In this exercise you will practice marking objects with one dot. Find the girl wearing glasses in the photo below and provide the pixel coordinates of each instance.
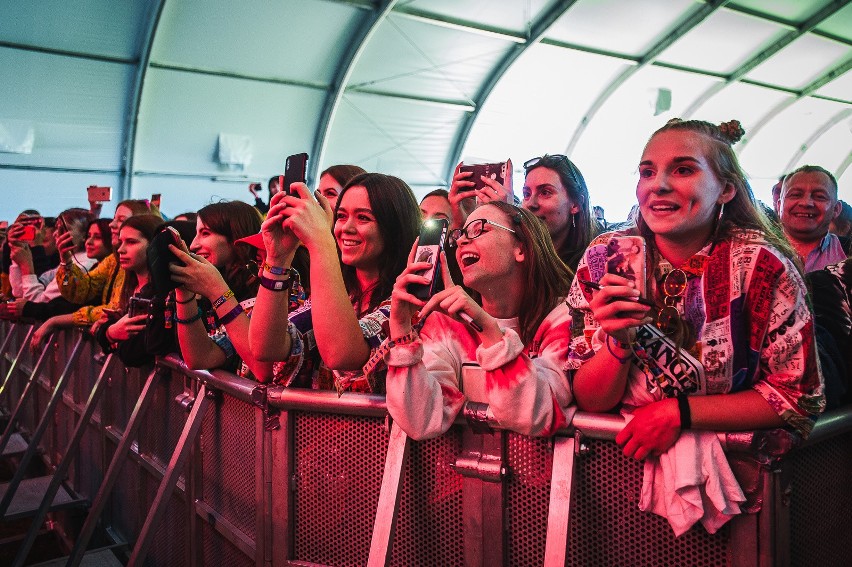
(357, 250)
(508, 352)
(556, 193)
(729, 344)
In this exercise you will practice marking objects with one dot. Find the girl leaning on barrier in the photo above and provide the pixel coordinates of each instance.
(729, 344)
(218, 283)
(124, 331)
(509, 352)
(356, 252)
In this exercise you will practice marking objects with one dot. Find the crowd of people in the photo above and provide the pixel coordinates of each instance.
(734, 315)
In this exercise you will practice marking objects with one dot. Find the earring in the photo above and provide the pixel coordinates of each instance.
(721, 212)
(574, 220)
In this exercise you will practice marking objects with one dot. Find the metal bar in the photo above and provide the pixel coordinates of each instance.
(11, 329)
(538, 29)
(559, 512)
(24, 344)
(384, 527)
(460, 105)
(62, 470)
(239, 388)
(344, 71)
(263, 488)
(227, 529)
(105, 171)
(238, 76)
(821, 131)
(367, 405)
(13, 418)
(136, 98)
(115, 465)
(45, 420)
(283, 500)
(694, 17)
(67, 53)
(468, 26)
(173, 471)
(761, 56)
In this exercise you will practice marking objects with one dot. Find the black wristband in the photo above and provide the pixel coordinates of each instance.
(684, 411)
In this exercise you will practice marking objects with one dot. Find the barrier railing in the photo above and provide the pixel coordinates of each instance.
(205, 468)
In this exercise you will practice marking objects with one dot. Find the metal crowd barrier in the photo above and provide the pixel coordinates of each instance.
(179, 467)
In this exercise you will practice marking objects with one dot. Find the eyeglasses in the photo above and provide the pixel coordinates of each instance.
(674, 286)
(474, 229)
(551, 161)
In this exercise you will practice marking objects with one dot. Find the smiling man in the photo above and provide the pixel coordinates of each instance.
(808, 205)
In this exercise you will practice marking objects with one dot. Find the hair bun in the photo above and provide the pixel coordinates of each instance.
(732, 131)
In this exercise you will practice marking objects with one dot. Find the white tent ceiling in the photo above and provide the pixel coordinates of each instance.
(135, 94)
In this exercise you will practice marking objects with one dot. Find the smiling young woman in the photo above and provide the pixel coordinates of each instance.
(741, 354)
(508, 352)
(357, 250)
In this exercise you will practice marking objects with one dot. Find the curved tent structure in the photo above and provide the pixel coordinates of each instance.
(195, 99)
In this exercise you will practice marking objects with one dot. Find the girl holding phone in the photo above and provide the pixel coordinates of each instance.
(356, 251)
(125, 335)
(509, 351)
(729, 343)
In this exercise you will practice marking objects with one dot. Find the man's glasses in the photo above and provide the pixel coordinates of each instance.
(474, 229)
(674, 286)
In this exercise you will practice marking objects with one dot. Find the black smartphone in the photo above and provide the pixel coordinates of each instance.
(495, 171)
(139, 306)
(295, 171)
(432, 236)
(159, 258)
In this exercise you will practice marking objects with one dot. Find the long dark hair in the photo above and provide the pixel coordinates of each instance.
(742, 213)
(147, 225)
(583, 227)
(104, 231)
(547, 278)
(235, 220)
(398, 218)
(343, 172)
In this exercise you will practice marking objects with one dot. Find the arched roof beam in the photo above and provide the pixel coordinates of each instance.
(787, 102)
(783, 22)
(843, 166)
(538, 29)
(136, 98)
(693, 18)
(67, 53)
(345, 67)
(807, 26)
(820, 132)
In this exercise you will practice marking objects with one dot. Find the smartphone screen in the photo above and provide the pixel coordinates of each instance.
(155, 199)
(625, 256)
(99, 194)
(432, 235)
(29, 233)
(295, 170)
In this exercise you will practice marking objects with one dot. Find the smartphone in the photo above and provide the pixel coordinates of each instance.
(159, 258)
(28, 234)
(495, 171)
(139, 306)
(99, 194)
(625, 256)
(295, 171)
(432, 236)
(256, 187)
(155, 199)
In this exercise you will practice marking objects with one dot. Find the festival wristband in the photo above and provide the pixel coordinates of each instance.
(275, 285)
(276, 270)
(223, 299)
(192, 298)
(231, 315)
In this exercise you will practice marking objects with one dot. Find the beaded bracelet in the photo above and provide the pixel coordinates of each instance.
(223, 299)
(276, 270)
(192, 319)
(684, 411)
(231, 315)
(620, 344)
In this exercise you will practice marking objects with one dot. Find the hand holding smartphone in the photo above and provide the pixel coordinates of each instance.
(494, 171)
(99, 194)
(159, 258)
(432, 236)
(295, 171)
(621, 255)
